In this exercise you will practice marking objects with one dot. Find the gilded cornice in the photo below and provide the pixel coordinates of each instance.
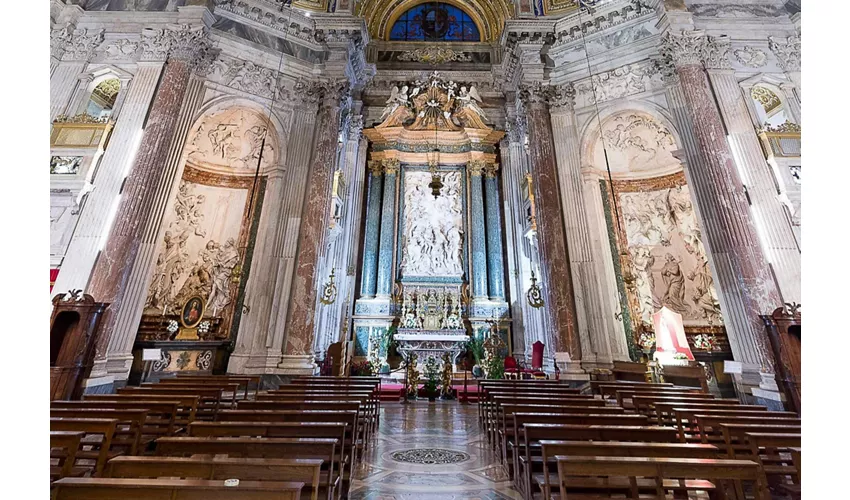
(489, 15)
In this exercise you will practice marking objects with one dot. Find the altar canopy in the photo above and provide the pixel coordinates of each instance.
(670, 336)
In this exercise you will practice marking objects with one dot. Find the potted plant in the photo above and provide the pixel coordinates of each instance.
(432, 378)
(475, 346)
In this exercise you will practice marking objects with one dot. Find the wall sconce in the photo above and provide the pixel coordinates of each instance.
(436, 183)
(329, 290)
(534, 294)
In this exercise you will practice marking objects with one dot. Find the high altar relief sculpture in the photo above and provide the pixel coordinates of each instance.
(636, 142)
(433, 228)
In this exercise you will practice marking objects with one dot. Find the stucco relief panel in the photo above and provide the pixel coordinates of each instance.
(432, 242)
(229, 141)
(637, 144)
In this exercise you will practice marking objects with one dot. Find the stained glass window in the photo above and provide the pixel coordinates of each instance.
(435, 21)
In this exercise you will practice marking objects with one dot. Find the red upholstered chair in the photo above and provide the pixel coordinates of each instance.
(537, 360)
(511, 366)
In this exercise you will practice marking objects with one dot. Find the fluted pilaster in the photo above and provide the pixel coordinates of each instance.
(387, 234)
(369, 278)
(495, 263)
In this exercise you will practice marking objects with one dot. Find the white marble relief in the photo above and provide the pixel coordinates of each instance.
(230, 140)
(667, 255)
(433, 228)
(637, 143)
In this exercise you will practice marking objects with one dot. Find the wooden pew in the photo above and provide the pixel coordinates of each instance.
(595, 385)
(63, 448)
(710, 426)
(533, 433)
(666, 416)
(735, 435)
(551, 448)
(97, 436)
(230, 390)
(698, 474)
(172, 489)
(610, 391)
(485, 388)
(128, 432)
(251, 382)
(623, 395)
(774, 454)
(685, 418)
(187, 404)
(646, 404)
(307, 471)
(494, 412)
(160, 419)
(209, 403)
(248, 447)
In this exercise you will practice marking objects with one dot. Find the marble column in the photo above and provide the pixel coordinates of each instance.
(478, 236)
(259, 343)
(120, 348)
(594, 320)
(301, 319)
(369, 278)
(114, 165)
(746, 287)
(493, 216)
(780, 244)
(387, 234)
(110, 277)
(556, 279)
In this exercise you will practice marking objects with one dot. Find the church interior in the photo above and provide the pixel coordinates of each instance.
(414, 249)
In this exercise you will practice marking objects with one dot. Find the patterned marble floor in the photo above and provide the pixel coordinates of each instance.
(429, 451)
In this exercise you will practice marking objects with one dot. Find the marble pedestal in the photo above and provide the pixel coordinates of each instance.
(570, 369)
(297, 364)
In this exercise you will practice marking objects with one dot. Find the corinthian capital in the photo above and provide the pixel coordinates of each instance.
(181, 42)
(716, 52)
(355, 127)
(562, 96)
(787, 52)
(534, 95)
(69, 44)
(686, 48)
(335, 91)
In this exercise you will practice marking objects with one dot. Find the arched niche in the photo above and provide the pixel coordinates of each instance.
(101, 92)
(206, 229)
(652, 216)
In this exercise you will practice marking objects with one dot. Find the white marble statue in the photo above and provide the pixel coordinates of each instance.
(470, 99)
(397, 98)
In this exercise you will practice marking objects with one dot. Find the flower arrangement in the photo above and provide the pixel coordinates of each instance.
(432, 377)
(646, 340)
(362, 369)
(172, 326)
(680, 355)
(204, 327)
(705, 342)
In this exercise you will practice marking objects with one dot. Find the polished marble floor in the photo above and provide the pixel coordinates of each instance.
(429, 451)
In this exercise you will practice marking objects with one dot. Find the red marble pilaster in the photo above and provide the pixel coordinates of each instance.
(300, 322)
(554, 263)
(746, 282)
(109, 279)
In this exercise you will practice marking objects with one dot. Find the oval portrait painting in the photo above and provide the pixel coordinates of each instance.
(192, 312)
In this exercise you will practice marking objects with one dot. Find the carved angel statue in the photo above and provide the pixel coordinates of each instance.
(470, 113)
(396, 110)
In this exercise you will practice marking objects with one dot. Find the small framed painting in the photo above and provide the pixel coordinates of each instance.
(192, 312)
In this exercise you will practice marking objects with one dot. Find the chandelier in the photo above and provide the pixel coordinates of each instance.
(436, 183)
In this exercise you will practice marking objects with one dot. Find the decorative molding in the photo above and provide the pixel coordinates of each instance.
(736, 10)
(355, 127)
(750, 57)
(534, 95)
(716, 52)
(291, 22)
(576, 27)
(619, 82)
(182, 42)
(562, 96)
(787, 52)
(434, 55)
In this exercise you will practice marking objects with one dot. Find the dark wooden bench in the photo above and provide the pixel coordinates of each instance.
(96, 443)
(307, 471)
(665, 415)
(646, 404)
(209, 403)
(735, 439)
(711, 431)
(669, 474)
(63, 449)
(128, 432)
(643, 397)
(248, 447)
(187, 404)
(548, 477)
(774, 452)
(685, 418)
(161, 415)
(229, 395)
(251, 383)
(172, 489)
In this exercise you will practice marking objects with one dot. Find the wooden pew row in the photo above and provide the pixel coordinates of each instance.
(172, 489)
(623, 395)
(710, 427)
(368, 411)
(187, 404)
(161, 415)
(485, 387)
(492, 409)
(704, 474)
(210, 401)
(128, 432)
(775, 454)
(665, 415)
(370, 395)
(242, 447)
(529, 454)
(735, 435)
(307, 471)
(63, 448)
(231, 391)
(96, 443)
(610, 391)
(685, 419)
(513, 439)
(253, 382)
(645, 404)
(548, 477)
(595, 385)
